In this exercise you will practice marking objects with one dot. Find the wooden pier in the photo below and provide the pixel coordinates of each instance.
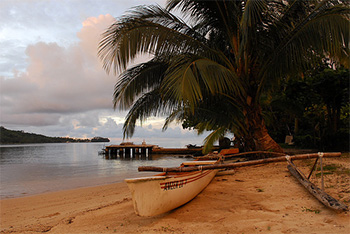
(176, 150)
(129, 148)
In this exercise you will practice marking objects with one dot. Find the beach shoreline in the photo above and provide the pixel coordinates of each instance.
(256, 199)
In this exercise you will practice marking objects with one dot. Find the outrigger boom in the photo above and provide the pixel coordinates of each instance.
(237, 164)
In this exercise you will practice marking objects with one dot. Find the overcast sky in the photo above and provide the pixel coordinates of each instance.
(51, 80)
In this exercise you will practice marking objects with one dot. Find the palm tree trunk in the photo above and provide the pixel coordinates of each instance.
(258, 137)
(264, 141)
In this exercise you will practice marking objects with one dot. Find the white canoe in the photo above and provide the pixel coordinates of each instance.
(161, 193)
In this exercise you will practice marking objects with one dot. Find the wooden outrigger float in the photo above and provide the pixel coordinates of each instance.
(320, 194)
(176, 186)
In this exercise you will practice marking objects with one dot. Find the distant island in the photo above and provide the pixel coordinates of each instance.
(20, 137)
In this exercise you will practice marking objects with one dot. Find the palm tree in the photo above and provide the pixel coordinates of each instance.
(221, 52)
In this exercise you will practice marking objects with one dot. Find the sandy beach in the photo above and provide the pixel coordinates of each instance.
(256, 199)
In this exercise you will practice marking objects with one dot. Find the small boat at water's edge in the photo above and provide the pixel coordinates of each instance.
(161, 193)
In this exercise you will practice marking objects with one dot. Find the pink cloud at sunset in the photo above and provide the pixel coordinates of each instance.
(64, 91)
(59, 79)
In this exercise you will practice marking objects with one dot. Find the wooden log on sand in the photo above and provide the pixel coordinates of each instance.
(235, 165)
(321, 195)
(236, 155)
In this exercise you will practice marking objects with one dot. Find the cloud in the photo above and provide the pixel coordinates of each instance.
(57, 86)
(59, 80)
(25, 22)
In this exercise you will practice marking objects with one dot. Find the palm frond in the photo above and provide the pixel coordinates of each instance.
(149, 104)
(137, 80)
(251, 17)
(212, 138)
(189, 77)
(323, 31)
(176, 115)
(147, 30)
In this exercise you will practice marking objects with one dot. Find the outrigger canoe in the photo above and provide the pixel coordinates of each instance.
(178, 185)
(166, 191)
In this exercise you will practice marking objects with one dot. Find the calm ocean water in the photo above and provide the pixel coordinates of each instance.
(38, 168)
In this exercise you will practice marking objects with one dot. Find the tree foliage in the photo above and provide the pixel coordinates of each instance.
(314, 109)
(219, 60)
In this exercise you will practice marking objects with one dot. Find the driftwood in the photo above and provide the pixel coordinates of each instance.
(321, 195)
(217, 156)
(234, 165)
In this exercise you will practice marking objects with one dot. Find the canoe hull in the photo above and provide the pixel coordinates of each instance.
(159, 194)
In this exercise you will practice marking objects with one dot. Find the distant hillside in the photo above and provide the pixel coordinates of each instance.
(19, 137)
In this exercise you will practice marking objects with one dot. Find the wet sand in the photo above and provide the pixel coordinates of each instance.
(256, 199)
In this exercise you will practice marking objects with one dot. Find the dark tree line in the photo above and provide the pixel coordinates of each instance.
(19, 137)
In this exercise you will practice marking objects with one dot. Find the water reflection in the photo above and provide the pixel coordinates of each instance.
(37, 168)
(127, 157)
(130, 157)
